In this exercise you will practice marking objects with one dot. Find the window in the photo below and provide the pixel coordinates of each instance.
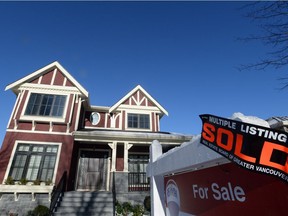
(34, 162)
(137, 180)
(141, 121)
(46, 105)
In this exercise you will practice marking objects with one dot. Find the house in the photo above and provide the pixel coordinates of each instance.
(53, 129)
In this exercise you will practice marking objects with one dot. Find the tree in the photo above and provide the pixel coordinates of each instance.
(272, 17)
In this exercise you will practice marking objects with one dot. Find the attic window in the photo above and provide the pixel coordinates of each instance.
(140, 121)
(46, 105)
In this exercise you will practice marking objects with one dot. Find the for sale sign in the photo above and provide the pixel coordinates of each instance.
(253, 147)
(225, 189)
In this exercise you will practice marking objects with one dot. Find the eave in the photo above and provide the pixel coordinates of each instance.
(134, 137)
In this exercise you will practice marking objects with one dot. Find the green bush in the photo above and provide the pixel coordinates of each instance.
(147, 203)
(126, 207)
(23, 181)
(36, 182)
(39, 210)
(138, 210)
(9, 181)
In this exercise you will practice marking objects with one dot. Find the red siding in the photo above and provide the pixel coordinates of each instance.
(42, 127)
(120, 158)
(59, 78)
(35, 81)
(126, 102)
(11, 137)
(123, 120)
(46, 78)
(24, 126)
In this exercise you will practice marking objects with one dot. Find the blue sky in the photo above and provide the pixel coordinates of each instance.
(185, 54)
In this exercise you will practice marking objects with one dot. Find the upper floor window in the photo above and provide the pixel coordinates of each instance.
(141, 121)
(34, 162)
(46, 105)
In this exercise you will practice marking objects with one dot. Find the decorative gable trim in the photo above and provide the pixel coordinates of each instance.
(133, 99)
(38, 74)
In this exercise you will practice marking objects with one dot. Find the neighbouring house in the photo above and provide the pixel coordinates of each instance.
(53, 129)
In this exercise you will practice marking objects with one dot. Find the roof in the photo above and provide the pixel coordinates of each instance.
(278, 121)
(138, 88)
(15, 85)
(137, 137)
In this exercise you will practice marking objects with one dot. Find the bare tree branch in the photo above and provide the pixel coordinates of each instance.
(272, 18)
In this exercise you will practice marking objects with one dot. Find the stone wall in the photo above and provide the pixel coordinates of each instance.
(122, 193)
(9, 207)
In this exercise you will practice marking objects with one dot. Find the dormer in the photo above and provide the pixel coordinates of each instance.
(44, 98)
(140, 111)
(136, 111)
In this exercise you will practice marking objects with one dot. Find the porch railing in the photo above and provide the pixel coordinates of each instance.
(137, 181)
(57, 193)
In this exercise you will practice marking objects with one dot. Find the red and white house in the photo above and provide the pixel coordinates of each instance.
(53, 129)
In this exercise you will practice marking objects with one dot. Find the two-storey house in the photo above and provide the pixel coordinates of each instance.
(53, 129)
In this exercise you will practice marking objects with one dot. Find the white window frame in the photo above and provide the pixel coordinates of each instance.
(35, 143)
(44, 118)
(138, 113)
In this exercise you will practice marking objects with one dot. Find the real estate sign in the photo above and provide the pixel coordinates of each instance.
(253, 147)
(254, 182)
(224, 190)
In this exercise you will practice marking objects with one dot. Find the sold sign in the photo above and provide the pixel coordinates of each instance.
(252, 147)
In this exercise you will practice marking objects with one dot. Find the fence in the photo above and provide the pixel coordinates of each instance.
(137, 181)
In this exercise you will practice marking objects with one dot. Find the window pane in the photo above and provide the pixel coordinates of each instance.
(23, 148)
(18, 166)
(38, 149)
(52, 149)
(33, 167)
(48, 168)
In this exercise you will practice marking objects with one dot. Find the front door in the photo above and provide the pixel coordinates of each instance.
(92, 170)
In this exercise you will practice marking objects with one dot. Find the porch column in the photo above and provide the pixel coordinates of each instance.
(127, 146)
(113, 146)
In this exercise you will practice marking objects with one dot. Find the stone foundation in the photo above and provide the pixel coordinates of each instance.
(8, 205)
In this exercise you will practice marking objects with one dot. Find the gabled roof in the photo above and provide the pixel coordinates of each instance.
(133, 91)
(14, 86)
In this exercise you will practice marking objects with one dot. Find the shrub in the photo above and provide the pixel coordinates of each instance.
(39, 210)
(9, 181)
(126, 208)
(23, 181)
(36, 182)
(138, 210)
(48, 182)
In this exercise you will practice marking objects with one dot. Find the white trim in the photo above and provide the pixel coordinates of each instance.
(13, 113)
(113, 146)
(39, 132)
(79, 101)
(98, 120)
(140, 113)
(137, 88)
(64, 81)
(40, 79)
(37, 118)
(53, 76)
(43, 71)
(72, 106)
(127, 146)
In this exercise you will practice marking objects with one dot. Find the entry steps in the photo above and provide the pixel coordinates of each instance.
(78, 203)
